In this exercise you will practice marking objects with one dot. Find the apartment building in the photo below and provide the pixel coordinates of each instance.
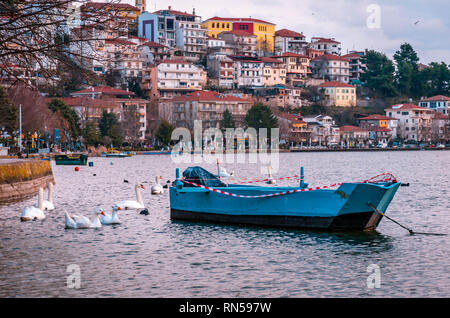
(326, 45)
(248, 71)
(221, 68)
(297, 67)
(439, 103)
(290, 41)
(176, 77)
(242, 42)
(274, 72)
(209, 106)
(414, 122)
(264, 31)
(331, 68)
(339, 94)
(357, 67)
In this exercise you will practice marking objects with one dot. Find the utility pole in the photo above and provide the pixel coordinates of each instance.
(20, 127)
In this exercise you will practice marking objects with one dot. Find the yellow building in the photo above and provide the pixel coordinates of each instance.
(264, 31)
(339, 94)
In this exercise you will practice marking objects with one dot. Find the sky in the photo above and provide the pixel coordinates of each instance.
(382, 25)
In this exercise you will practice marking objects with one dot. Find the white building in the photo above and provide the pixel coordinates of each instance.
(290, 41)
(328, 46)
(438, 103)
(248, 72)
(414, 122)
(177, 77)
(331, 68)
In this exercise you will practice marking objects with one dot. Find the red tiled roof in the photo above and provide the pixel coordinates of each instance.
(335, 84)
(331, 57)
(291, 117)
(239, 20)
(405, 106)
(119, 42)
(104, 90)
(377, 117)
(269, 60)
(349, 128)
(288, 34)
(352, 55)
(379, 129)
(439, 115)
(435, 98)
(152, 44)
(290, 54)
(238, 33)
(210, 96)
(323, 40)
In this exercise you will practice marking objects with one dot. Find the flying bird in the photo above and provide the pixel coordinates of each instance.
(415, 23)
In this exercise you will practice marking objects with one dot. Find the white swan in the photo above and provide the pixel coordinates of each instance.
(157, 188)
(81, 222)
(224, 173)
(108, 219)
(271, 180)
(131, 204)
(31, 212)
(48, 204)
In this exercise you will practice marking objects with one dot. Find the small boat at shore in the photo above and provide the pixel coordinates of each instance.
(201, 196)
(116, 154)
(71, 159)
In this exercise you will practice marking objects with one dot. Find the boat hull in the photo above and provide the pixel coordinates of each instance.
(343, 209)
(80, 160)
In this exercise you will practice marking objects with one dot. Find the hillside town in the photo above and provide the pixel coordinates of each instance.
(172, 67)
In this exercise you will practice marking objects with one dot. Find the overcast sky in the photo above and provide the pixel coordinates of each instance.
(423, 24)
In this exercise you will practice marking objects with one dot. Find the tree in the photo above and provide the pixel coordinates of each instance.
(435, 79)
(407, 70)
(57, 105)
(135, 86)
(260, 116)
(37, 37)
(129, 126)
(9, 113)
(227, 120)
(91, 134)
(379, 75)
(107, 120)
(164, 133)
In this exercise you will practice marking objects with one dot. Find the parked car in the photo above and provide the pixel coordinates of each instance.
(440, 146)
(382, 145)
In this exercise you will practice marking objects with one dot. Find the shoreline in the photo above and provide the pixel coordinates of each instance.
(158, 153)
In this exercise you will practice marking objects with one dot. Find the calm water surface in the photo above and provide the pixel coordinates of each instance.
(152, 256)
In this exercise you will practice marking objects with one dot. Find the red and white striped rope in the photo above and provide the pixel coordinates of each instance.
(391, 178)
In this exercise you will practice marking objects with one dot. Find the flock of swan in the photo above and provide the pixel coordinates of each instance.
(100, 217)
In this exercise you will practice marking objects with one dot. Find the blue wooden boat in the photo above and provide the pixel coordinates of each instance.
(349, 207)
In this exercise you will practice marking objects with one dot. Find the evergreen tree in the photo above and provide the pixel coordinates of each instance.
(260, 116)
(435, 79)
(109, 127)
(164, 133)
(379, 75)
(406, 77)
(57, 105)
(227, 120)
(91, 134)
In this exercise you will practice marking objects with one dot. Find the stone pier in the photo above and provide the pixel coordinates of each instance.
(20, 179)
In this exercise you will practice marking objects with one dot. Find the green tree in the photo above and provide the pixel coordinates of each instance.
(435, 79)
(227, 120)
(91, 134)
(380, 73)
(260, 116)
(58, 105)
(164, 133)
(9, 113)
(107, 120)
(109, 127)
(135, 86)
(406, 77)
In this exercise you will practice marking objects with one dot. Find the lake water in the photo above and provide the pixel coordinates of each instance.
(152, 256)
